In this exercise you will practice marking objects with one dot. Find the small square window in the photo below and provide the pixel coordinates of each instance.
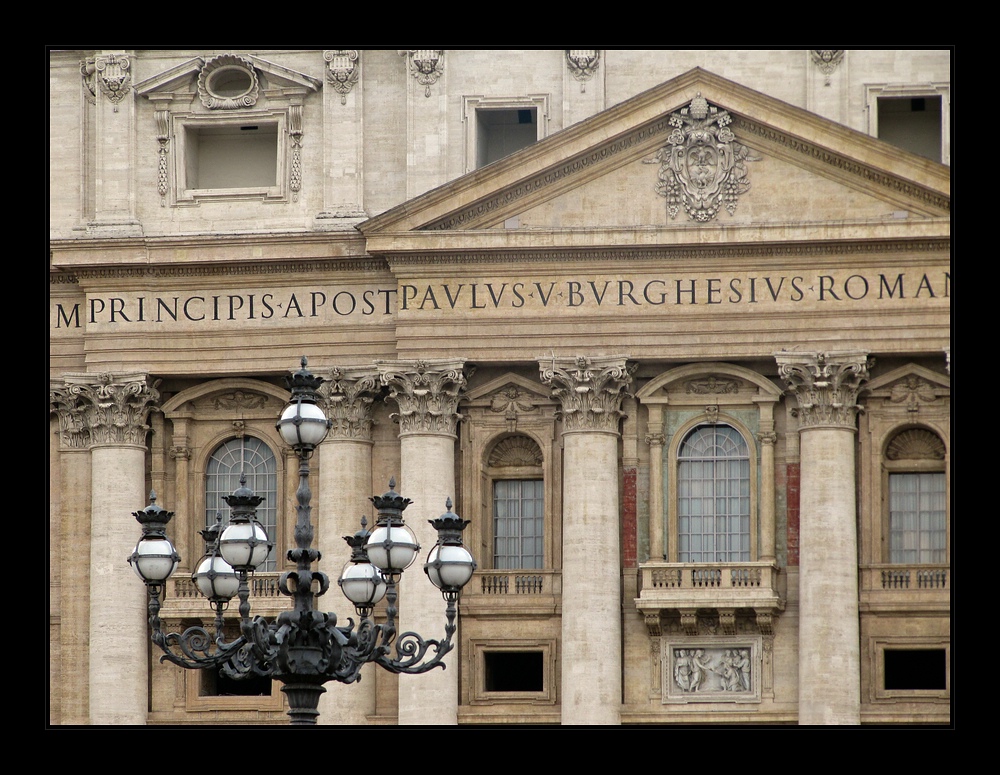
(513, 671)
(915, 669)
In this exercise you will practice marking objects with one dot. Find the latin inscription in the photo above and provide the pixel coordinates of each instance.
(474, 297)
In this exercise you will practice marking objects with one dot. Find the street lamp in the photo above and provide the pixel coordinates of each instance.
(304, 648)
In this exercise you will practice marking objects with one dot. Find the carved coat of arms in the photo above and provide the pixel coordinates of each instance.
(702, 167)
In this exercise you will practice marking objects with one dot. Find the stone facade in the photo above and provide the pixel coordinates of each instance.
(679, 319)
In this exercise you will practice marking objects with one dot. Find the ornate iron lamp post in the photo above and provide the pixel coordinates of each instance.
(304, 648)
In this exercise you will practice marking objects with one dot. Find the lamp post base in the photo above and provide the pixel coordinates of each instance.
(303, 702)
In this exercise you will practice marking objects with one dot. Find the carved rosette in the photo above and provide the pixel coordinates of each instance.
(426, 65)
(590, 391)
(702, 167)
(342, 70)
(826, 386)
(103, 409)
(350, 397)
(427, 394)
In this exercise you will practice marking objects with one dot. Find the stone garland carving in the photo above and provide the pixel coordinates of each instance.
(350, 396)
(702, 167)
(295, 135)
(912, 391)
(162, 119)
(509, 402)
(239, 400)
(214, 101)
(826, 385)
(712, 385)
(110, 410)
(827, 59)
(583, 63)
(427, 393)
(343, 70)
(590, 391)
(426, 65)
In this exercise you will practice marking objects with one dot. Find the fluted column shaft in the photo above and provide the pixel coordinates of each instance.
(113, 410)
(826, 386)
(427, 394)
(344, 486)
(591, 391)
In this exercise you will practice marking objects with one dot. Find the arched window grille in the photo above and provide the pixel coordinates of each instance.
(253, 457)
(713, 496)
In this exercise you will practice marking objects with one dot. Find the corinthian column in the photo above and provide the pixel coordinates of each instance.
(345, 481)
(591, 392)
(113, 408)
(826, 386)
(427, 394)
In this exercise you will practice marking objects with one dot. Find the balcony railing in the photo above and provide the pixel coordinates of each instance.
(686, 586)
(524, 591)
(887, 587)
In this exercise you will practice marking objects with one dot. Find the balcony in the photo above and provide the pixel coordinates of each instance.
(916, 588)
(510, 593)
(722, 588)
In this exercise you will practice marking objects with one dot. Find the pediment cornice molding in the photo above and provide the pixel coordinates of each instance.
(657, 255)
(638, 127)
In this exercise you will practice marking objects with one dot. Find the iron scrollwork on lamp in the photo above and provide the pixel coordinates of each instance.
(304, 648)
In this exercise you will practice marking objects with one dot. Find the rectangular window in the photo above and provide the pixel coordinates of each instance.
(915, 669)
(911, 123)
(501, 132)
(227, 157)
(518, 519)
(514, 671)
(917, 522)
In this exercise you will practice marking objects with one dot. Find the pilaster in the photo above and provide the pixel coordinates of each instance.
(427, 395)
(591, 391)
(343, 158)
(108, 75)
(826, 387)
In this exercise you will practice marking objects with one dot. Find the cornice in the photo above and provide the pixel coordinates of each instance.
(634, 255)
(934, 202)
(219, 270)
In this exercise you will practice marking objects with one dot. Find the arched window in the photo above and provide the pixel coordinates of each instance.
(250, 456)
(713, 496)
(918, 523)
(518, 504)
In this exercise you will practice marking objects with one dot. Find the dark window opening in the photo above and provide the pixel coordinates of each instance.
(911, 123)
(215, 683)
(501, 132)
(514, 671)
(908, 669)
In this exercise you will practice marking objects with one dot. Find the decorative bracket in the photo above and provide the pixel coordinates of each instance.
(426, 65)
(342, 70)
(827, 59)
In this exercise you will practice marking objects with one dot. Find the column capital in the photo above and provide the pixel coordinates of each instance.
(590, 390)
(350, 394)
(427, 393)
(826, 385)
(103, 408)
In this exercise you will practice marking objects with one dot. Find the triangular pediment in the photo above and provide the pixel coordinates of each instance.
(188, 78)
(628, 175)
